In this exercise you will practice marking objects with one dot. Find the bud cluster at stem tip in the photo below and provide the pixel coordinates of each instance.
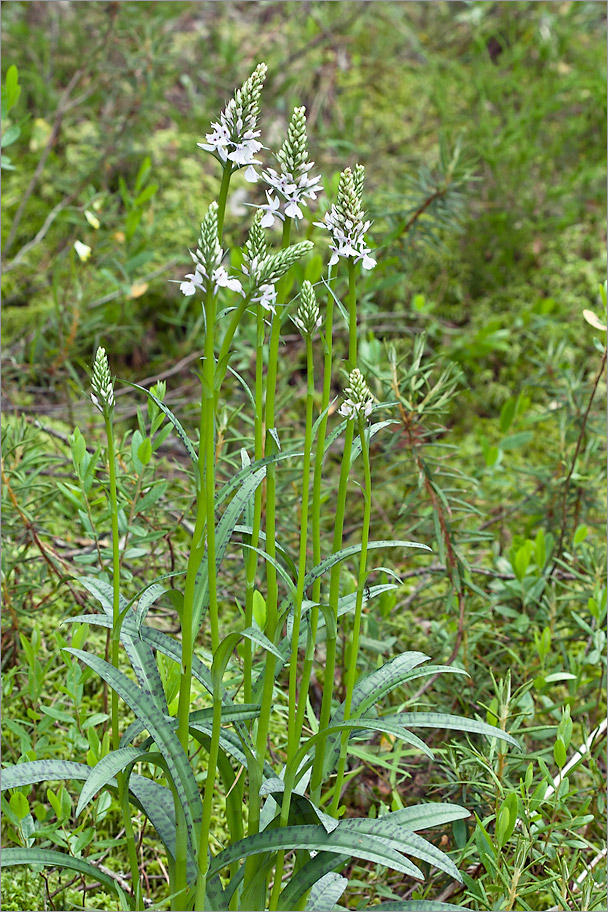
(308, 317)
(102, 384)
(207, 259)
(360, 400)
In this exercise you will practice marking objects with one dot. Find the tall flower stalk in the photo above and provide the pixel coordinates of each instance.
(103, 397)
(293, 158)
(347, 226)
(307, 320)
(356, 408)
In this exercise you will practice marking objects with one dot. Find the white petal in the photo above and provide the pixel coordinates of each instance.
(251, 175)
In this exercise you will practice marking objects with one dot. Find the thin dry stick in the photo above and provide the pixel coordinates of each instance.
(579, 443)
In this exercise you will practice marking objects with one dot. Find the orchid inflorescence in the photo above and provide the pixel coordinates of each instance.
(360, 401)
(234, 136)
(102, 383)
(346, 223)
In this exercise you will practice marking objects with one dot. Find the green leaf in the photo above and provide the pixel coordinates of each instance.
(326, 892)
(105, 771)
(370, 432)
(329, 562)
(424, 816)
(144, 451)
(19, 805)
(404, 841)
(34, 856)
(417, 905)
(149, 713)
(10, 136)
(308, 875)
(146, 600)
(223, 533)
(155, 800)
(240, 476)
(452, 723)
(33, 771)
(314, 838)
(174, 421)
(140, 654)
(368, 691)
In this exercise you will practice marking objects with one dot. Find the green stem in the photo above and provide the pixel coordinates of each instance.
(334, 579)
(209, 409)
(203, 855)
(293, 738)
(271, 573)
(252, 558)
(221, 203)
(316, 507)
(123, 792)
(354, 644)
(195, 558)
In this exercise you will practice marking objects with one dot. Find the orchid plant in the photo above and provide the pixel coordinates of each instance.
(281, 804)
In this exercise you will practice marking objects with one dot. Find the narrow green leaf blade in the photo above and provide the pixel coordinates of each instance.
(153, 718)
(49, 857)
(326, 892)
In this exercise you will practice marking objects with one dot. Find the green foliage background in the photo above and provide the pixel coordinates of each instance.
(494, 253)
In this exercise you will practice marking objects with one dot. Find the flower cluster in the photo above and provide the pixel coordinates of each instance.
(265, 269)
(101, 382)
(346, 223)
(291, 185)
(360, 400)
(234, 136)
(256, 252)
(308, 317)
(207, 258)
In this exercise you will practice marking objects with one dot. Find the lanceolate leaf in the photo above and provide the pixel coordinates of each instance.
(140, 655)
(238, 712)
(146, 600)
(40, 771)
(367, 692)
(404, 841)
(153, 718)
(223, 532)
(35, 856)
(326, 892)
(417, 905)
(312, 838)
(155, 800)
(328, 563)
(104, 771)
(308, 875)
(369, 433)
(423, 816)
(236, 480)
(174, 421)
(453, 723)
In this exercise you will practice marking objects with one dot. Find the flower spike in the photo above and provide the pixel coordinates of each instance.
(207, 259)
(346, 223)
(308, 317)
(292, 183)
(360, 400)
(102, 384)
(234, 136)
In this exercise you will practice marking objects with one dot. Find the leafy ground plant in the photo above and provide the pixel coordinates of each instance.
(284, 838)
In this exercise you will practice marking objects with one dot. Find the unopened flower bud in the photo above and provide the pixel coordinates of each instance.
(102, 384)
(308, 317)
